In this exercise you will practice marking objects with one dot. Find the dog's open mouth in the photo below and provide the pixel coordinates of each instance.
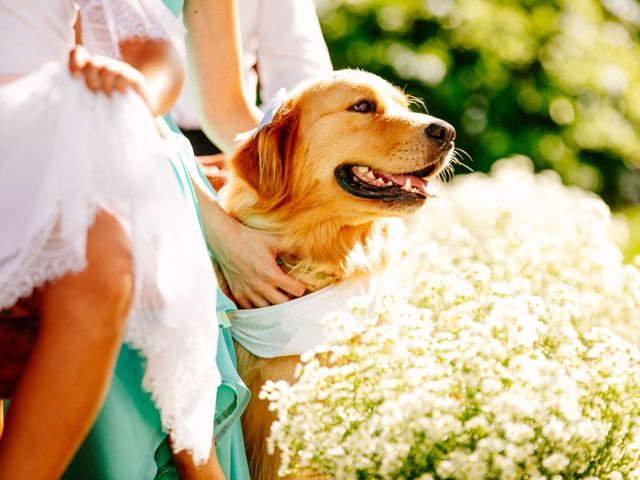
(366, 182)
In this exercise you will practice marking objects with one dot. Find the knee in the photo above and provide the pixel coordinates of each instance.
(110, 272)
(100, 311)
(111, 290)
(96, 302)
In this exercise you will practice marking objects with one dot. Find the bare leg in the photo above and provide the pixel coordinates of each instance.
(187, 470)
(82, 317)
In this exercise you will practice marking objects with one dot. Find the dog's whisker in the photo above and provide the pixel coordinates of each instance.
(467, 167)
(446, 174)
(461, 152)
(417, 101)
(458, 159)
(450, 172)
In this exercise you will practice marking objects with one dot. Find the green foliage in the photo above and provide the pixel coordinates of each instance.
(630, 232)
(558, 81)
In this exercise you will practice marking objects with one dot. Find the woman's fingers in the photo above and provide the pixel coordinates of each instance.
(242, 300)
(78, 59)
(108, 80)
(258, 295)
(286, 283)
(120, 83)
(257, 300)
(98, 72)
(277, 277)
(273, 296)
(103, 74)
(93, 74)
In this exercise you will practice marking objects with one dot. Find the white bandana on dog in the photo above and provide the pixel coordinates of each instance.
(296, 326)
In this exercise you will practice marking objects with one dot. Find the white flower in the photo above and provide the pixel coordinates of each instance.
(555, 462)
(495, 358)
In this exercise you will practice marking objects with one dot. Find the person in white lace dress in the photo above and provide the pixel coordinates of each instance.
(96, 234)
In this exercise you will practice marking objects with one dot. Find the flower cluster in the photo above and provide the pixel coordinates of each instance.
(496, 357)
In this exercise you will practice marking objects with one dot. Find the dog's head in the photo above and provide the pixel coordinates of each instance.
(348, 144)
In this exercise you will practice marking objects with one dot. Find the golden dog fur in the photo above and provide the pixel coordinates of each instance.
(284, 181)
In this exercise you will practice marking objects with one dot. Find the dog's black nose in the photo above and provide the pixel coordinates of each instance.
(441, 132)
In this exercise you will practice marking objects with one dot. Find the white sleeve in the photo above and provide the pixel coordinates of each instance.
(106, 23)
(291, 48)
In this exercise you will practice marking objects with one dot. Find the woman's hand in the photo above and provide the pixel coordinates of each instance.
(215, 169)
(247, 258)
(153, 69)
(105, 74)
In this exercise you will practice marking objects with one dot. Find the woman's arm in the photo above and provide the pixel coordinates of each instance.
(163, 71)
(246, 256)
(214, 56)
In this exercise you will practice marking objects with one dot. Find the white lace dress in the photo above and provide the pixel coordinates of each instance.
(65, 153)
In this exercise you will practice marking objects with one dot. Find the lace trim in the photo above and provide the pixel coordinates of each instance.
(106, 23)
(53, 256)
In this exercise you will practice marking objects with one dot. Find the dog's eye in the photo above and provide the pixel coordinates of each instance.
(364, 107)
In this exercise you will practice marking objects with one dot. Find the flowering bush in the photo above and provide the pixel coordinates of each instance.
(496, 357)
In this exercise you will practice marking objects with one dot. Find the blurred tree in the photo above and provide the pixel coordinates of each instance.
(558, 81)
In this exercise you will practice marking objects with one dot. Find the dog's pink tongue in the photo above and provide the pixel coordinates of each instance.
(408, 182)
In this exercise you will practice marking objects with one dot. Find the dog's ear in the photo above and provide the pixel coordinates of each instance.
(265, 161)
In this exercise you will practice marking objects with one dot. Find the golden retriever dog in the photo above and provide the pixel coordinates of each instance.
(341, 155)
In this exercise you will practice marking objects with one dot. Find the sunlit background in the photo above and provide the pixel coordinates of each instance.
(557, 81)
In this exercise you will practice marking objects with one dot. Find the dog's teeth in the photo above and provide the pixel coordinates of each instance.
(369, 174)
(415, 190)
(361, 169)
(388, 184)
(380, 182)
(407, 185)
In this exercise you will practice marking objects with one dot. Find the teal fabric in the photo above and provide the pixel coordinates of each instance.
(174, 5)
(127, 441)
(126, 434)
(223, 304)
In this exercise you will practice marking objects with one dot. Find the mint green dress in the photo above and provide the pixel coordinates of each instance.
(127, 442)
